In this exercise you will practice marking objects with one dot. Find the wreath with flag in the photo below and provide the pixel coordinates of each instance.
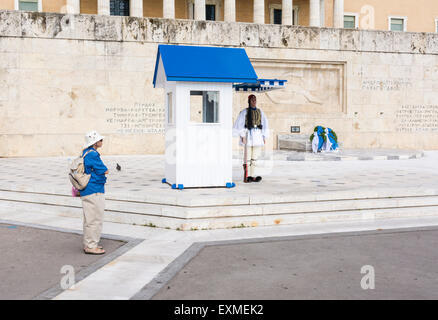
(316, 130)
(323, 140)
(323, 135)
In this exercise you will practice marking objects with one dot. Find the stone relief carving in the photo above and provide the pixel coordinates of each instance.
(295, 88)
(311, 87)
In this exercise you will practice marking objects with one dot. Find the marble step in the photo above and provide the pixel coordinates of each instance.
(26, 209)
(214, 216)
(208, 211)
(190, 198)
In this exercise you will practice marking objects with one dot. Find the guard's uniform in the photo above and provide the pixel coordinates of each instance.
(257, 134)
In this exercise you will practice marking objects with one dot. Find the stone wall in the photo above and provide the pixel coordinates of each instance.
(63, 75)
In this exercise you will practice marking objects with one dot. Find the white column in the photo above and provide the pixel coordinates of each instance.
(103, 7)
(230, 11)
(259, 11)
(322, 13)
(73, 6)
(338, 14)
(199, 9)
(136, 8)
(169, 9)
(315, 13)
(286, 12)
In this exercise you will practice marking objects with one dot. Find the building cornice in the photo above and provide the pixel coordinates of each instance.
(214, 33)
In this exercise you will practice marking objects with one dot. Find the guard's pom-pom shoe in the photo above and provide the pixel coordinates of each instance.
(258, 179)
(249, 179)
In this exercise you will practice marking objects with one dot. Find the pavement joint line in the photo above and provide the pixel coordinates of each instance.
(174, 267)
(81, 275)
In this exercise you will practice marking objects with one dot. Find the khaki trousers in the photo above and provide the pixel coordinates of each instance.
(252, 155)
(93, 206)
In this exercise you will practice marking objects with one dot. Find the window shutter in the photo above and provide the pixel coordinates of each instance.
(28, 5)
(397, 24)
(349, 22)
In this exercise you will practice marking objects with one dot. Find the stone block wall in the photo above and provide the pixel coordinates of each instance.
(63, 75)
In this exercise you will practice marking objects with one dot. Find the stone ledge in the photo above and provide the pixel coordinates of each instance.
(158, 30)
(295, 142)
(343, 156)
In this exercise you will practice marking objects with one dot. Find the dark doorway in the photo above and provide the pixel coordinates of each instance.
(210, 12)
(277, 16)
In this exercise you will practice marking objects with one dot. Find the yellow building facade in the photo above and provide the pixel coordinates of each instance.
(395, 15)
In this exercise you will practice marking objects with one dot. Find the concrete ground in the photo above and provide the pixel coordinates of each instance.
(314, 267)
(32, 258)
(141, 272)
(138, 273)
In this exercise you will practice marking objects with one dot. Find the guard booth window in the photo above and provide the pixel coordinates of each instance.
(204, 106)
(119, 7)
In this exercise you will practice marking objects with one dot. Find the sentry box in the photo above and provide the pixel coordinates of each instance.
(198, 88)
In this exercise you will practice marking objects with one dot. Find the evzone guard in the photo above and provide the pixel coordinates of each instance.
(252, 128)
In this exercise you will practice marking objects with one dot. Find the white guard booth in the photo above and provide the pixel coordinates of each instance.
(198, 88)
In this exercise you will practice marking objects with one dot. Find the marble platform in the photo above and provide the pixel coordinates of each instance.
(290, 192)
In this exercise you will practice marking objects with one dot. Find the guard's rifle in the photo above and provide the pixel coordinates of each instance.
(245, 163)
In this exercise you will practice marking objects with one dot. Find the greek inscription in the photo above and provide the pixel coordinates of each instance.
(386, 85)
(138, 119)
(417, 118)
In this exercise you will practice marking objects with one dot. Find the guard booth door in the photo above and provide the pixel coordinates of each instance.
(206, 141)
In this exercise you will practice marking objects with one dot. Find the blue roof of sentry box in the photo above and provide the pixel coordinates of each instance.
(205, 64)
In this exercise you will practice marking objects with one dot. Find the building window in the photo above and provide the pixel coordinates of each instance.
(276, 14)
(212, 9)
(398, 23)
(349, 22)
(28, 5)
(204, 106)
(119, 7)
(210, 12)
(436, 25)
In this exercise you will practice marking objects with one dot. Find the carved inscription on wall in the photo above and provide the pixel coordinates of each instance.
(386, 84)
(137, 119)
(417, 118)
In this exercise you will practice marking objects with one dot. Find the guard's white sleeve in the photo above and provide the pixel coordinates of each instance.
(265, 128)
(239, 125)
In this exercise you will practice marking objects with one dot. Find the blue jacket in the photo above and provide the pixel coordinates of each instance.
(94, 165)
